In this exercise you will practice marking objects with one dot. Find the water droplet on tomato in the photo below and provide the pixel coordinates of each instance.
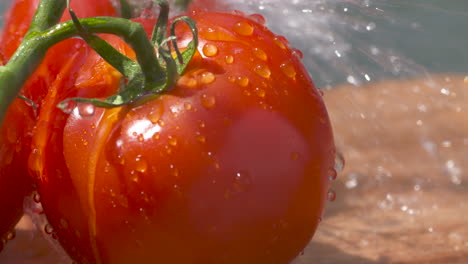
(263, 71)
(69, 106)
(242, 181)
(156, 135)
(63, 223)
(208, 101)
(86, 110)
(210, 50)
(331, 196)
(260, 92)
(188, 106)
(37, 197)
(288, 70)
(229, 59)
(188, 82)
(259, 53)
(48, 229)
(297, 53)
(10, 235)
(208, 78)
(161, 123)
(134, 177)
(339, 162)
(257, 18)
(141, 164)
(172, 141)
(281, 42)
(243, 28)
(332, 174)
(156, 113)
(243, 81)
(200, 138)
(246, 92)
(174, 171)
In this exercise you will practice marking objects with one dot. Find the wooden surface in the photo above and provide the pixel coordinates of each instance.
(403, 196)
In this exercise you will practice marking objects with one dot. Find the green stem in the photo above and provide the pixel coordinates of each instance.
(27, 57)
(35, 45)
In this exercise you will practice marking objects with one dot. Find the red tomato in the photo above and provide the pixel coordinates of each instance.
(229, 167)
(16, 130)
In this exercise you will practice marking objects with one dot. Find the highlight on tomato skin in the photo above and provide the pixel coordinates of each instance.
(229, 167)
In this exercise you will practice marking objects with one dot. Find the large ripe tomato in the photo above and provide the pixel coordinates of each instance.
(16, 130)
(229, 167)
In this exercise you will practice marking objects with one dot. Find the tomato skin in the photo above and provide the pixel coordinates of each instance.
(229, 167)
(20, 119)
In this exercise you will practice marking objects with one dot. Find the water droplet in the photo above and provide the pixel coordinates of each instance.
(289, 70)
(69, 106)
(242, 181)
(140, 138)
(86, 109)
(280, 41)
(259, 53)
(210, 50)
(257, 18)
(63, 223)
(229, 59)
(263, 71)
(134, 177)
(37, 197)
(174, 171)
(156, 113)
(141, 164)
(188, 106)
(260, 92)
(48, 229)
(332, 174)
(243, 28)
(208, 101)
(246, 92)
(156, 135)
(200, 138)
(243, 81)
(161, 123)
(331, 196)
(231, 79)
(186, 81)
(339, 162)
(297, 53)
(208, 78)
(201, 124)
(10, 235)
(172, 141)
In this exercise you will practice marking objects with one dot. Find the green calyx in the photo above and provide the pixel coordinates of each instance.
(153, 74)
